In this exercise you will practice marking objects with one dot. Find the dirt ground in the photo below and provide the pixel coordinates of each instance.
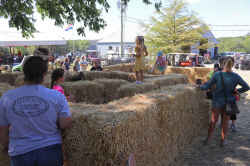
(237, 150)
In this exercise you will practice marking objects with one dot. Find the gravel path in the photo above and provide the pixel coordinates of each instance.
(237, 150)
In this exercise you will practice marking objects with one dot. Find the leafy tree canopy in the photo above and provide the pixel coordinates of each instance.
(174, 29)
(234, 44)
(87, 12)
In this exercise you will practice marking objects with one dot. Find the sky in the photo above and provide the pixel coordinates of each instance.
(214, 12)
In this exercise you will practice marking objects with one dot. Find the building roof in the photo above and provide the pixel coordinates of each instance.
(38, 39)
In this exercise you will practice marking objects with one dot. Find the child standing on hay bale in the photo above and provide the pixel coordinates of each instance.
(160, 63)
(141, 52)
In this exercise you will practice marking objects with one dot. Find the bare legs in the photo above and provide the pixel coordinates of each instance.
(214, 119)
(139, 76)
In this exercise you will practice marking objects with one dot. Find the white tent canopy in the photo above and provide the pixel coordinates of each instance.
(39, 39)
(31, 43)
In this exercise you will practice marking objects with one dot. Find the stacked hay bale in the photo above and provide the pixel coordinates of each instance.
(4, 87)
(4, 159)
(110, 88)
(202, 73)
(153, 127)
(120, 67)
(170, 79)
(191, 73)
(151, 84)
(20, 80)
(9, 78)
(85, 91)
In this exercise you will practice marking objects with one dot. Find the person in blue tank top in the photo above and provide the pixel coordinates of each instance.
(31, 118)
(231, 80)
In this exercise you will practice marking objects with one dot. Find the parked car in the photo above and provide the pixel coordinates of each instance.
(184, 59)
(245, 62)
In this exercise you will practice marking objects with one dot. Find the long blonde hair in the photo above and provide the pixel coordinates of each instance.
(228, 65)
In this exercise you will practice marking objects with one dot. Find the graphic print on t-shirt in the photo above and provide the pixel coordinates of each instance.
(30, 106)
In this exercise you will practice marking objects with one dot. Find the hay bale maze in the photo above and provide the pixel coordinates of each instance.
(192, 73)
(155, 127)
(114, 118)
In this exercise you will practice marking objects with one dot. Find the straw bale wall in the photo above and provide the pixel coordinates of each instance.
(120, 67)
(192, 73)
(4, 87)
(9, 77)
(154, 127)
(19, 81)
(4, 160)
(151, 84)
(110, 88)
(85, 91)
(101, 91)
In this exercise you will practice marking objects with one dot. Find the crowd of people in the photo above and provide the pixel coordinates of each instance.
(79, 64)
(32, 116)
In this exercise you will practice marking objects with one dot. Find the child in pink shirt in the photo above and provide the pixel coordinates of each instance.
(57, 78)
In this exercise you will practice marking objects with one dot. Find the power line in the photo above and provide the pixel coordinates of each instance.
(229, 25)
(233, 30)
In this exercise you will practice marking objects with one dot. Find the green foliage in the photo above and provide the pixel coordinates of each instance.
(87, 12)
(78, 45)
(174, 29)
(234, 44)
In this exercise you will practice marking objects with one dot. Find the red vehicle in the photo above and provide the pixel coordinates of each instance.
(184, 59)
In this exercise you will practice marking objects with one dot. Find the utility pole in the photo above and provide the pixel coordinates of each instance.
(122, 26)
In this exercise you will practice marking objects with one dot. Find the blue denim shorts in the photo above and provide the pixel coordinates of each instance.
(47, 156)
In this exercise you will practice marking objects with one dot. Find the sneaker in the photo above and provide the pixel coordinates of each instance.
(233, 127)
(138, 82)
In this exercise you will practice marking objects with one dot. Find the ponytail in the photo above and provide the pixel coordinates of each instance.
(228, 65)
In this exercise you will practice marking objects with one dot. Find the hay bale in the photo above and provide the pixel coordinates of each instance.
(4, 158)
(121, 67)
(189, 72)
(132, 89)
(155, 127)
(168, 80)
(73, 76)
(20, 81)
(4, 87)
(150, 84)
(110, 88)
(202, 73)
(85, 91)
(9, 77)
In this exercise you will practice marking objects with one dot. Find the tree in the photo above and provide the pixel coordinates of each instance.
(87, 12)
(79, 45)
(175, 29)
